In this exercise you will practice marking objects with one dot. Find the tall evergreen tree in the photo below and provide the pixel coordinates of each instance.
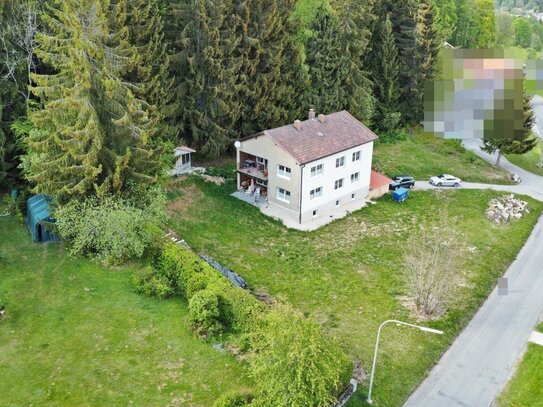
(147, 69)
(328, 64)
(427, 49)
(210, 69)
(356, 20)
(384, 59)
(273, 78)
(520, 141)
(92, 133)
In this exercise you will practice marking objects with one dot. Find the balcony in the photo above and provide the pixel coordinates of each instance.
(254, 167)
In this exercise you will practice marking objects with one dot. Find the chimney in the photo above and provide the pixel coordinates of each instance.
(321, 118)
(297, 124)
(311, 114)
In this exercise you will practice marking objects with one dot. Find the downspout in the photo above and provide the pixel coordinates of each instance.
(301, 192)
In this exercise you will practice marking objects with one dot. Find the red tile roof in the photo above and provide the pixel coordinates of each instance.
(340, 131)
(378, 180)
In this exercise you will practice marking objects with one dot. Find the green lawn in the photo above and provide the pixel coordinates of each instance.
(348, 274)
(529, 160)
(526, 387)
(424, 155)
(78, 335)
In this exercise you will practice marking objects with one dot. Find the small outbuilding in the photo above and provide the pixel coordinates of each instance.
(38, 214)
(378, 185)
(183, 160)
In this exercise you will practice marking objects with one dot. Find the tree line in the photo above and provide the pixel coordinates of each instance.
(95, 91)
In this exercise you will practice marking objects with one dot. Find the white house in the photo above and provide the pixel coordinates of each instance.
(309, 169)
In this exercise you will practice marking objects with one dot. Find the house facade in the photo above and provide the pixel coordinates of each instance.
(309, 169)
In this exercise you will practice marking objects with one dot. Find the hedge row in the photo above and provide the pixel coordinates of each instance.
(215, 305)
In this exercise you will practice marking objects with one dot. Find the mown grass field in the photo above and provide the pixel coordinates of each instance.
(424, 155)
(349, 274)
(529, 160)
(78, 335)
(526, 387)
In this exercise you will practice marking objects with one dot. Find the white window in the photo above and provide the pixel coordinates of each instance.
(315, 193)
(337, 203)
(352, 196)
(356, 156)
(283, 171)
(314, 213)
(338, 184)
(340, 162)
(317, 170)
(283, 195)
(355, 177)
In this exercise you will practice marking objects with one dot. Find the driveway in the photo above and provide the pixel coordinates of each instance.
(477, 365)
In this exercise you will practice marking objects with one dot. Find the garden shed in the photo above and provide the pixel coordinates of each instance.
(37, 215)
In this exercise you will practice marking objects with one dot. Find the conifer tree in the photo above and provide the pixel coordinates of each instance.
(147, 69)
(356, 20)
(210, 89)
(520, 141)
(328, 64)
(384, 58)
(92, 134)
(273, 78)
(427, 50)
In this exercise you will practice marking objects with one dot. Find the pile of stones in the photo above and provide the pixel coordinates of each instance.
(506, 208)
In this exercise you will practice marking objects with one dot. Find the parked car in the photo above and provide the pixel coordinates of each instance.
(445, 180)
(399, 181)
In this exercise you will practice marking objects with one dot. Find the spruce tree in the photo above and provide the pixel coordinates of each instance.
(521, 140)
(356, 20)
(403, 16)
(384, 59)
(92, 134)
(273, 80)
(328, 64)
(147, 69)
(210, 68)
(427, 49)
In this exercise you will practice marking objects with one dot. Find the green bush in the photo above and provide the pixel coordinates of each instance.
(187, 274)
(111, 229)
(295, 362)
(151, 283)
(234, 399)
(393, 136)
(204, 312)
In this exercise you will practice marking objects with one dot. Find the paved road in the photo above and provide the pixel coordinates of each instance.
(477, 365)
(537, 106)
(475, 368)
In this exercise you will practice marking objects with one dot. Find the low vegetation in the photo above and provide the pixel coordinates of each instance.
(76, 333)
(531, 161)
(424, 155)
(350, 275)
(524, 389)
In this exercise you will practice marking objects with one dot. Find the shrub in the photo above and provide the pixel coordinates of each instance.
(295, 362)
(187, 274)
(393, 136)
(111, 229)
(234, 399)
(204, 312)
(151, 283)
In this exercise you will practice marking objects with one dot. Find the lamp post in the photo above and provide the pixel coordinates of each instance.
(422, 328)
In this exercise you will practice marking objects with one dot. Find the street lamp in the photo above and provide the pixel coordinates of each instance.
(422, 328)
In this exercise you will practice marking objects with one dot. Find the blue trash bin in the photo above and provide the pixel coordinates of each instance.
(400, 195)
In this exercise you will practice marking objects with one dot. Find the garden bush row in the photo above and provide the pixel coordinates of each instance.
(293, 361)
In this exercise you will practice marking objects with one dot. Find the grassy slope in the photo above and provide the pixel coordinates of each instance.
(529, 160)
(424, 155)
(349, 274)
(77, 334)
(526, 387)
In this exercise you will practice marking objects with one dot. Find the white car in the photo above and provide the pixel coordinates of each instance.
(445, 180)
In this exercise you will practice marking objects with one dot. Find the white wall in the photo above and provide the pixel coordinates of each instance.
(327, 202)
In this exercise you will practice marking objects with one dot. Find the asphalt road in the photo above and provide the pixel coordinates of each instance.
(477, 365)
(481, 359)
